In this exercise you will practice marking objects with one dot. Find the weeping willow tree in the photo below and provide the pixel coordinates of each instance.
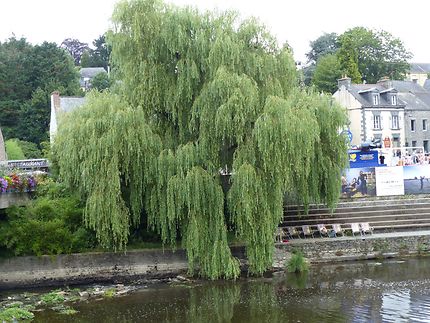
(200, 92)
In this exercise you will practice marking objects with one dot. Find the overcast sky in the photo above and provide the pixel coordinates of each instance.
(297, 22)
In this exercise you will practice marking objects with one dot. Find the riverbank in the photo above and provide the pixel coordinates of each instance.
(353, 248)
(371, 291)
(145, 265)
(99, 267)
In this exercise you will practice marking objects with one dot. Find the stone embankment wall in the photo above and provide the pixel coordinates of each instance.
(35, 271)
(141, 265)
(344, 249)
(86, 268)
(12, 198)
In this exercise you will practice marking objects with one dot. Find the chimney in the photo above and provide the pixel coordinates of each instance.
(56, 99)
(385, 82)
(345, 81)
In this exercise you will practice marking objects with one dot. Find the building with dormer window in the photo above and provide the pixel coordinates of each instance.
(417, 112)
(374, 110)
(395, 110)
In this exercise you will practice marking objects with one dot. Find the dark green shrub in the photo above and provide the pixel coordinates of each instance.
(30, 149)
(51, 189)
(13, 150)
(46, 226)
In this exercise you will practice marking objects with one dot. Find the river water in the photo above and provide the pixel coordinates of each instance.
(372, 291)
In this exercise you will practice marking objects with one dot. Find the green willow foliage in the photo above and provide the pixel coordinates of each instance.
(198, 92)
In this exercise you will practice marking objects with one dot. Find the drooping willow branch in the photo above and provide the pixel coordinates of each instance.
(198, 92)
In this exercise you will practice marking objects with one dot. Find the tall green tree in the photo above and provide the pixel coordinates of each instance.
(200, 92)
(101, 82)
(327, 72)
(75, 48)
(99, 56)
(28, 75)
(323, 45)
(370, 55)
(14, 82)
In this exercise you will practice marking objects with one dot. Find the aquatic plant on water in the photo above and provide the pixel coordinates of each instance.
(15, 314)
(297, 263)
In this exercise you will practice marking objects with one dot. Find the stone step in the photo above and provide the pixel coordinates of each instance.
(401, 227)
(382, 225)
(359, 209)
(395, 213)
(363, 218)
(361, 203)
(360, 212)
(398, 222)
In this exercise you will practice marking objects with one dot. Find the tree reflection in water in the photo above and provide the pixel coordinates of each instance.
(358, 292)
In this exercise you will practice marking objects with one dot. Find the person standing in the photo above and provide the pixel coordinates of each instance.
(363, 183)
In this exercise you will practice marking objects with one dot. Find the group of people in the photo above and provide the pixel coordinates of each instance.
(358, 184)
(414, 158)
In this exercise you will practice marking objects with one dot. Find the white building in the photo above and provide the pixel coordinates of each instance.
(59, 106)
(374, 111)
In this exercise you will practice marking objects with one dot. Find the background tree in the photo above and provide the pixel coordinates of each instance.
(19, 149)
(327, 72)
(200, 92)
(75, 49)
(101, 82)
(28, 75)
(14, 82)
(323, 45)
(370, 55)
(14, 150)
(99, 56)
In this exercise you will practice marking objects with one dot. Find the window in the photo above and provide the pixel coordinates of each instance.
(377, 121)
(413, 125)
(375, 99)
(394, 122)
(426, 146)
(396, 140)
(424, 124)
(414, 143)
(394, 100)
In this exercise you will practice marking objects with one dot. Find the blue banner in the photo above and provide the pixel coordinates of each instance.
(359, 159)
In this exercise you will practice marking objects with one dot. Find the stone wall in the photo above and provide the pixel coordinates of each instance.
(86, 268)
(343, 249)
(34, 271)
(12, 198)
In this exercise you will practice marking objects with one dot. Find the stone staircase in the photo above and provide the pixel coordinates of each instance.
(388, 214)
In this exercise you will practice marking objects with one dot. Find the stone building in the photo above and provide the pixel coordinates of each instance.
(418, 73)
(374, 111)
(394, 111)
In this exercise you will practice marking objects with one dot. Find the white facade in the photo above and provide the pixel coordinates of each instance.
(353, 107)
(369, 123)
(53, 121)
(419, 78)
(60, 106)
(389, 126)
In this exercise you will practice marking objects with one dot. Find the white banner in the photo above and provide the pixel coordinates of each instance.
(389, 181)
